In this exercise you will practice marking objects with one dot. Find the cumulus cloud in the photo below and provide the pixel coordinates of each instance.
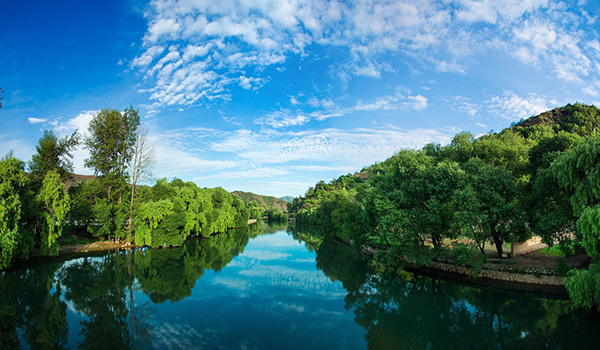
(195, 52)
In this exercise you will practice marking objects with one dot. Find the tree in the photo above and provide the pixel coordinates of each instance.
(143, 156)
(53, 154)
(488, 207)
(149, 217)
(54, 204)
(112, 145)
(578, 170)
(12, 181)
(1, 96)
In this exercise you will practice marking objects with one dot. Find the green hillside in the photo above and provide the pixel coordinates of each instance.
(265, 202)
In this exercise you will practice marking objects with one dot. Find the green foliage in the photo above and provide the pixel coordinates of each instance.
(111, 141)
(584, 287)
(54, 204)
(578, 170)
(264, 202)
(12, 183)
(275, 215)
(468, 255)
(53, 154)
(149, 216)
(562, 268)
(488, 209)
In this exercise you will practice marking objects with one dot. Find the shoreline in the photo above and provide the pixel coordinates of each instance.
(489, 276)
(100, 246)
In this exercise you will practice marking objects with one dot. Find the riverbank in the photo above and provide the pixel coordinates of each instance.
(493, 274)
(99, 246)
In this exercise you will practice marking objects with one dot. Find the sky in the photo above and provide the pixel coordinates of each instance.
(273, 96)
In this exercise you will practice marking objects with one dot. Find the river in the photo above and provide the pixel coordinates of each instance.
(268, 289)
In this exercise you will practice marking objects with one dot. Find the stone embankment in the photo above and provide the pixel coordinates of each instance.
(531, 279)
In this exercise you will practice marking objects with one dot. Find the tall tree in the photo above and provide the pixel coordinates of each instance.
(141, 162)
(53, 154)
(112, 145)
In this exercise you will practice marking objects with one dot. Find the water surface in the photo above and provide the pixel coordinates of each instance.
(258, 290)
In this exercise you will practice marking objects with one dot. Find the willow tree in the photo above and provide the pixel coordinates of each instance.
(54, 204)
(12, 181)
(578, 170)
(149, 217)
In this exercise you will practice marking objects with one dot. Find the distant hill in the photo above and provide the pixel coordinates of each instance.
(574, 118)
(288, 199)
(265, 202)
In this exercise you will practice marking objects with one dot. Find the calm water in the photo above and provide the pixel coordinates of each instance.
(263, 290)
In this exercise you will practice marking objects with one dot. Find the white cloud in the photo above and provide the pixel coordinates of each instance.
(36, 120)
(353, 148)
(258, 173)
(81, 124)
(222, 44)
(513, 107)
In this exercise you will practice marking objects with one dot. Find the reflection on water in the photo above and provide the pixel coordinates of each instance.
(247, 289)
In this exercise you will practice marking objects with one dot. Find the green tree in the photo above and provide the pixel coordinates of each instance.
(148, 219)
(54, 205)
(12, 183)
(578, 170)
(488, 207)
(140, 164)
(53, 154)
(112, 145)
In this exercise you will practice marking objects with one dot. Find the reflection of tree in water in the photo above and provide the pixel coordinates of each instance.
(170, 274)
(102, 290)
(30, 301)
(416, 311)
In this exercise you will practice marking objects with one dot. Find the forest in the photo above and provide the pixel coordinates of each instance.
(39, 206)
(539, 177)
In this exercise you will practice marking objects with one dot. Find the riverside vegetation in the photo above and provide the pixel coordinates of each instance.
(36, 207)
(540, 177)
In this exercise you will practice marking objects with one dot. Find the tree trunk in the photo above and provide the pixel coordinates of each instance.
(498, 244)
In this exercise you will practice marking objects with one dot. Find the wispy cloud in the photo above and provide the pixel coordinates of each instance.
(195, 52)
(513, 107)
(36, 120)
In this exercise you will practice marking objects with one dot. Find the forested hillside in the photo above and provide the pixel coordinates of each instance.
(540, 176)
(264, 202)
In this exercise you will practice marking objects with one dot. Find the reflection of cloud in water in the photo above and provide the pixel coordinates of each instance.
(278, 305)
(184, 336)
(265, 255)
(299, 280)
(277, 240)
(233, 283)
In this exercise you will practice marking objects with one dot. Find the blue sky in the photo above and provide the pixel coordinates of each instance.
(273, 96)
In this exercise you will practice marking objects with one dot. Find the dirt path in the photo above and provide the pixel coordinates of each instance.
(93, 247)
